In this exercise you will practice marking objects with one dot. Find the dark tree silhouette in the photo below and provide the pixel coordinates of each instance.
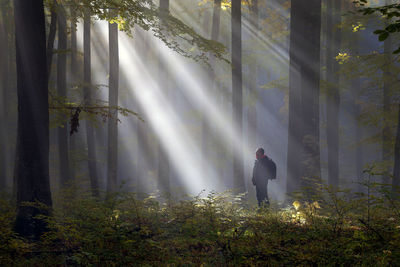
(33, 117)
(87, 80)
(294, 140)
(112, 159)
(237, 93)
(62, 131)
(333, 94)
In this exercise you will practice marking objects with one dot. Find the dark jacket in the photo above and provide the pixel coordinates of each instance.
(263, 170)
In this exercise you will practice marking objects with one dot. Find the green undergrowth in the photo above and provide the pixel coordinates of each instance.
(334, 229)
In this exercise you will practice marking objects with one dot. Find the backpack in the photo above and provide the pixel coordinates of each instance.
(271, 167)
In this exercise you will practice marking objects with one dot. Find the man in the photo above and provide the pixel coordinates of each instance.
(264, 169)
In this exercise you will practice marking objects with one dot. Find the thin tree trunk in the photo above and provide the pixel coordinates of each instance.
(253, 91)
(163, 160)
(62, 132)
(205, 127)
(87, 80)
(333, 94)
(33, 117)
(237, 93)
(386, 136)
(359, 148)
(396, 171)
(112, 159)
(51, 38)
(4, 72)
(74, 78)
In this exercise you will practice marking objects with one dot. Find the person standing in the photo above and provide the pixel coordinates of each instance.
(264, 169)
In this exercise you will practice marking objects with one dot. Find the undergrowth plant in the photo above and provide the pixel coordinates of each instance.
(219, 229)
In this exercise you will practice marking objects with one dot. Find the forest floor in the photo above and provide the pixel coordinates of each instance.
(338, 229)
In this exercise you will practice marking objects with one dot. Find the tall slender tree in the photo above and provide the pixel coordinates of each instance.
(386, 151)
(310, 79)
(237, 93)
(87, 80)
(333, 94)
(294, 141)
(73, 79)
(33, 117)
(4, 84)
(112, 159)
(205, 126)
(62, 131)
(253, 90)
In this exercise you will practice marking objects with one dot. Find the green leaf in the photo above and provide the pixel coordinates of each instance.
(383, 36)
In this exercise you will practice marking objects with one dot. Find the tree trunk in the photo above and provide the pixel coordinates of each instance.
(310, 77)
(253, 92)
(304, 77)
(87, 81)
(74, 78)
(386, 136)
(294, 124)
(51, 38)
(163, 160)
(396, 171)
(205, 126)
(62, 132)
(4, 85)
(333, 94)
(33, 117)
(237, 93)
(112, 159)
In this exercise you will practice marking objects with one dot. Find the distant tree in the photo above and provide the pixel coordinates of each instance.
(390, 13)
(237, 93)
(112, 148)
(333, 94)
(386, 133)
(74, 70)
(51, 37)
(87, 87)
(304, 77)
(253, 75)
(62, 131)
(4, 84)
(33, 117)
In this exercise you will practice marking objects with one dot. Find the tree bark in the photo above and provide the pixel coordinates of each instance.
(253, 91)
(237, 93)
(4, 71)
(51, 38)
(304, 77)
(333, 94)
(74, 78)
(310, 78)
(112, 159)
(87, 80)
(386, 135)
(33, 117)
(294, 123)
(62, 131)
(396, 171)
